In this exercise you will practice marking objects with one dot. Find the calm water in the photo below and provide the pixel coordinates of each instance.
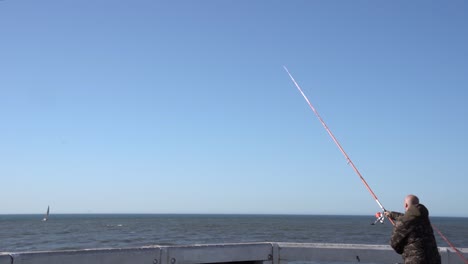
(29, 233)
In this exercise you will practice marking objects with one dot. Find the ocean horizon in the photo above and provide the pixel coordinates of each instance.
(247, 214)
(27, 232)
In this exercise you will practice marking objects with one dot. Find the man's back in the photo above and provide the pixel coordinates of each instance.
(413, 237)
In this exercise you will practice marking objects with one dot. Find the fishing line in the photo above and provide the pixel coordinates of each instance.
(451, 245)
(350, 162)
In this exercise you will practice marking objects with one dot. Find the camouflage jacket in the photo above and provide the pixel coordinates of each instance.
(413, 237)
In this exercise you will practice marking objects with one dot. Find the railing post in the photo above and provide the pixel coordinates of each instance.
(6, 259)
(164, 256)
(275, 254)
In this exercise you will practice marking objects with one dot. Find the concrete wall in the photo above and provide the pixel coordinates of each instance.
(248, 253)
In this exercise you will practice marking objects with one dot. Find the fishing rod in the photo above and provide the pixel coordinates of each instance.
(380, 216)
(350, 162)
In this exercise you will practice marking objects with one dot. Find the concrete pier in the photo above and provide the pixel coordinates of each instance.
(244, 253)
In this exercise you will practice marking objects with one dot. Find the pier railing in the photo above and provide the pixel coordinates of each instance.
(245, 253)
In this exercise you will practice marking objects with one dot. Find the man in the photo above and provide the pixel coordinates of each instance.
(412, 235)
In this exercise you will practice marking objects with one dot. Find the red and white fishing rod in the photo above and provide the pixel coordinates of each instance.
(357, 171)
(350, 162)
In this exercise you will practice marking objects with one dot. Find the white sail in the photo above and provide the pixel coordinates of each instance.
(46, 217)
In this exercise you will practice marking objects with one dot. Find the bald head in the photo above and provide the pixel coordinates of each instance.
(411, 200)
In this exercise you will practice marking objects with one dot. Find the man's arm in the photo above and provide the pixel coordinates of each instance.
(393, 215)
(399, 237)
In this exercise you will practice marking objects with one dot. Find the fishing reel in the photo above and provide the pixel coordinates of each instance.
(380, 218)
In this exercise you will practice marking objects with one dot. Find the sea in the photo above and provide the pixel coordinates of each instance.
(20, 233)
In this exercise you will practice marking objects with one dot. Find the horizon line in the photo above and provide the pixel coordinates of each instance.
(227, 214)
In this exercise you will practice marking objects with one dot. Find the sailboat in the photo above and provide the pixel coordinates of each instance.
(46, 216)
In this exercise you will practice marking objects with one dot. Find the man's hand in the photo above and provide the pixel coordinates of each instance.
(388, 214)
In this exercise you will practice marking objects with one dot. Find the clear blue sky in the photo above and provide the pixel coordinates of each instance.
(184, 106)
